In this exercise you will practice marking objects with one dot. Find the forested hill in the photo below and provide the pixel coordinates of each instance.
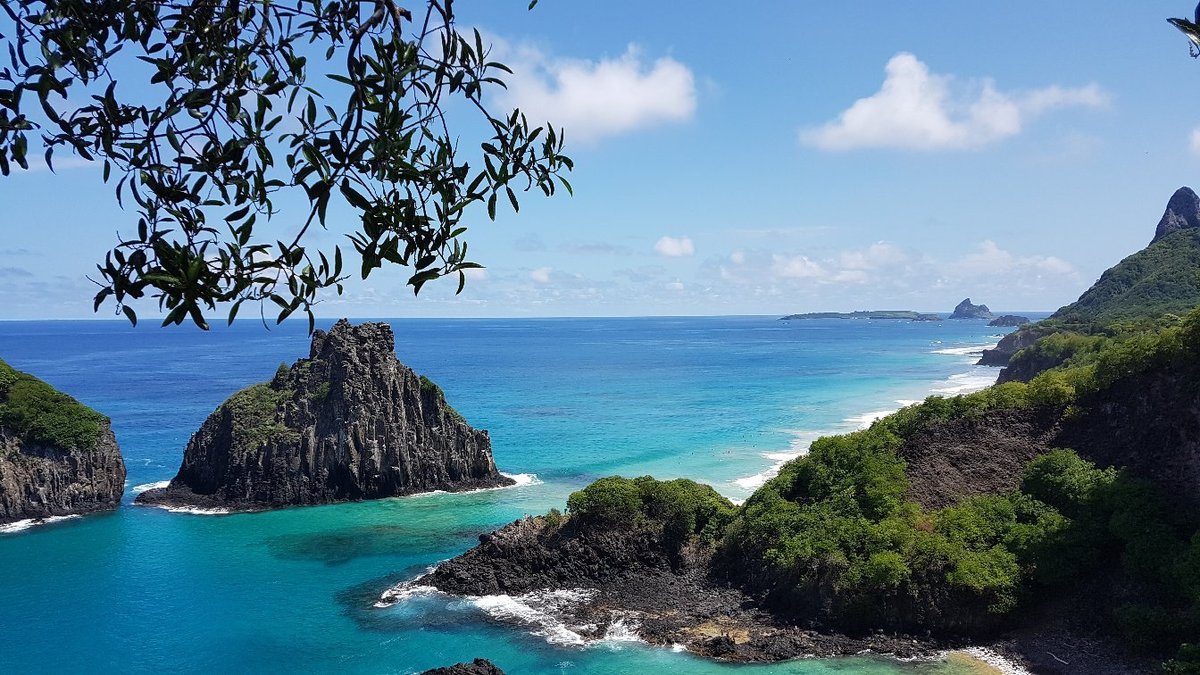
(1163, 278)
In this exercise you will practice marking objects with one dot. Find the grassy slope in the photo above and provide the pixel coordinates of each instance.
(42, 414)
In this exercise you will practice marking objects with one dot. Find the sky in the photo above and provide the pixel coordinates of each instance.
(767, 158)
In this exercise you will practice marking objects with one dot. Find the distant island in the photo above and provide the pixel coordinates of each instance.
(904, 315)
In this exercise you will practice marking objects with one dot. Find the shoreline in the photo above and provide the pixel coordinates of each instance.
(518, 480)
(956, 384)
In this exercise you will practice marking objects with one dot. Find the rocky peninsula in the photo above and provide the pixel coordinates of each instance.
(350, 422)
(57, 456)
(1009, 321)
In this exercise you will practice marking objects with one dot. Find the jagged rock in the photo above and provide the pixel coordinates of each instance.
(1183, 213)
(1011, 344)
(1009, 321)
(64, 462)
(476, 667)
(350, 422)
(965, 310)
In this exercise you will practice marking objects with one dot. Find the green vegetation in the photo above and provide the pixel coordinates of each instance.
(683, 509)
(1163, 278)
(255, 419)
(42, 414)
(886, 314)
(835, 536)
(430, 387)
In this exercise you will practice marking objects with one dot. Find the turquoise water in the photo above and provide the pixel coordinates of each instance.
(717, 399)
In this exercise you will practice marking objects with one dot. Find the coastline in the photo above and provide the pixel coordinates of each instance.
(620, 611)
(518, 480)
(975, 379)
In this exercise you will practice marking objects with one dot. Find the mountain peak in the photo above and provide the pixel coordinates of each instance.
(1183, 213)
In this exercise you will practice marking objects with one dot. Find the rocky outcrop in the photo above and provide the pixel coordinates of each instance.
(966, 310)
(1009, 321)
(1183, 213)
(976, 455)
(57, 456)
(475, 667)
(1012, 343)
(350, 422)
(621, 575)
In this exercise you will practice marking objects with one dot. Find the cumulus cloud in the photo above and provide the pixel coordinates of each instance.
(988, 259)
(795, 267)
(1195, 140)
(600, 98)
(541, 275)
(673, 247)
(476, 274)
(919, 110)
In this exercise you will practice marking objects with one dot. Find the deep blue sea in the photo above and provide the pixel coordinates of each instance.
(716, 399)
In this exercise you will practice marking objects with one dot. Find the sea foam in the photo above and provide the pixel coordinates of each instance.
(520, 480)
(22, 525)
(541, 611)
(139, 489)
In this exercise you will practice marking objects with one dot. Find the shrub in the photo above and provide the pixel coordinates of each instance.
(612, 500)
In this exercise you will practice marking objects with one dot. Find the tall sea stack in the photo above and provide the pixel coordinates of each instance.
(350, 422)
(57, 456)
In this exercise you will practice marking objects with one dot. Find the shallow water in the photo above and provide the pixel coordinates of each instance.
(722, 400)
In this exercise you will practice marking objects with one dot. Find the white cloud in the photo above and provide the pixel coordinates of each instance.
(738, 258)
(541, 275)
(878, 255)
(595, 99)
(1195, 140)
(919, 110)
(673, 247)
(989, 260)
(795, 267)
(675, 286)
(476, 274)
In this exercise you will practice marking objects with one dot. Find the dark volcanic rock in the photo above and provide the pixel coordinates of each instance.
(975, 455)
(476, 667)
(1009, 321)
(57, 456)
(1183, 213)
(349, 422)
(629, 579)
(1011, 344)
(39, 480)
(965, 310)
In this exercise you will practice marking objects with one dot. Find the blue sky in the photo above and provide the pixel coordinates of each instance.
(772, 157)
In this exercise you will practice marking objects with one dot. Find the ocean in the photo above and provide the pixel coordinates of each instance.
(723, 400)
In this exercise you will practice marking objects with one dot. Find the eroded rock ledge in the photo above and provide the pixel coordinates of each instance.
(667, 598)
(348, 423)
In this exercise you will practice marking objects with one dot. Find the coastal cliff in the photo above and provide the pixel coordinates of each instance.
(348, 423)
(57, 456)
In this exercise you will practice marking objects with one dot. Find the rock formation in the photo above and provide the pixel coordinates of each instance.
(350, 422)
(1009, 321)
(57, 456)
(965, 310)
(476, 667)
(1183, 213)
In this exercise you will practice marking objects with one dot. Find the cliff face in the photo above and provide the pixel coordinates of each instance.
(350, 422)
(1183, 213)
(57, 456)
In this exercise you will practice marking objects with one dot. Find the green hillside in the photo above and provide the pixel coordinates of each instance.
(1163, 278)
